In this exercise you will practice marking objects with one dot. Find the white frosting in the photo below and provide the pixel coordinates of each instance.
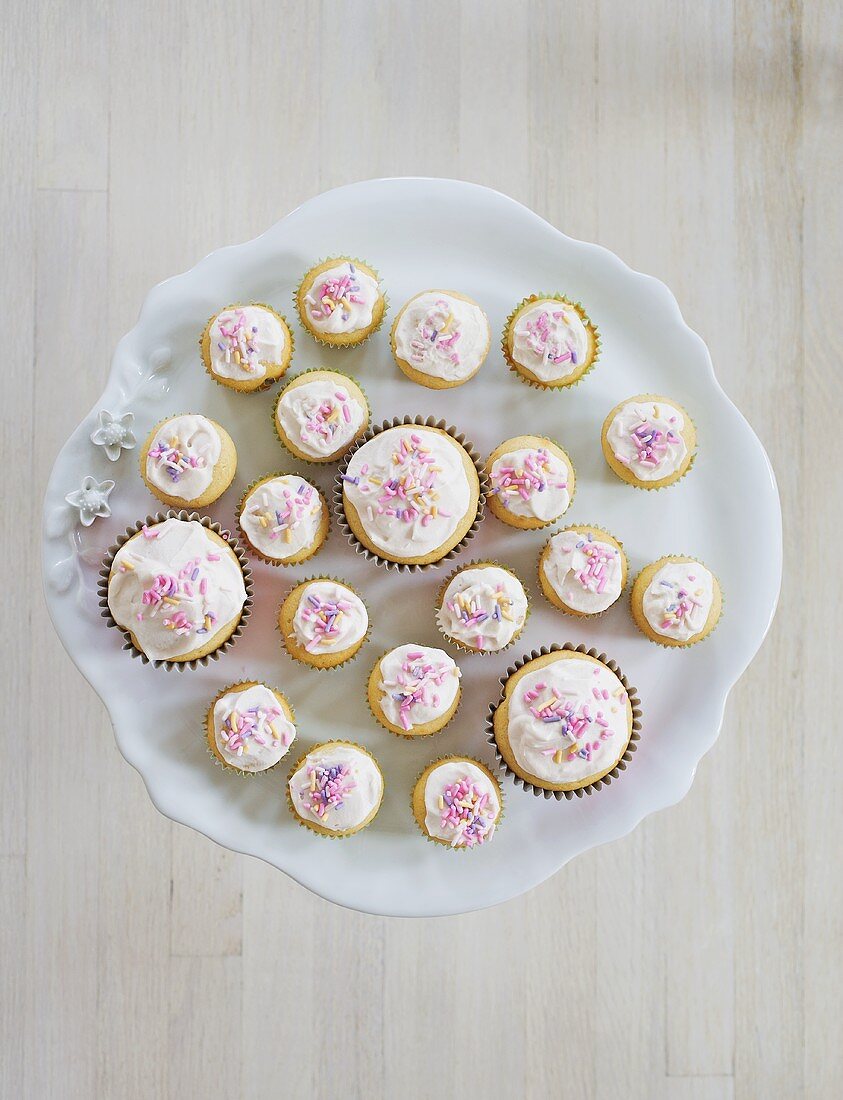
(461, 804)
(584, 572)
(550, 340)
(342, 299)
(532, 483)
(341, 801)
(647, 437)
(484, 607)
(410, 489)
(174, 587)
(244, 340)
(320, 417)
(443, 336)
(182, 457)
(251, 731)
(417, 684)
(587, 731)
(282, 516)
(678, 600)
(330, 618)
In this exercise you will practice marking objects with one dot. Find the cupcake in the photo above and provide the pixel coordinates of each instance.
(582, 570)
(550, 342)
(336, 789)
(284, 519)
(319, 414)
(649, 441)
(457, 802)
(249, 727)
(414, 690)
(188, 459)
(246, 348)
(564, 721)
(410, 494)
(323, 623)
(177, 588)
(340, 302)
(440, 339)
(482, 607)
(676, 601)
(531, 481)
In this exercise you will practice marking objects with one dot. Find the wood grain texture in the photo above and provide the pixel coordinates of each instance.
(701, 141)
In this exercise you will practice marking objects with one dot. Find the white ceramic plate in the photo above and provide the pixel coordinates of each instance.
(422, 233)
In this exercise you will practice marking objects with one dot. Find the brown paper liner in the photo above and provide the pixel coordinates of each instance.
(406, 735)
(318, 462)
(253, 550)
(586, 320)
(649, 487)
(309, 825)
(267, 383)
(477, 563)
(319, 337)
(224, 765)
(702, 635)
(150, 521)
(535, 526)
(587, 788)
(589, 615)
(421, 422)
(300, 660)
(472, 760)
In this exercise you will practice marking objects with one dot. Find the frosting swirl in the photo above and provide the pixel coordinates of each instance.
(182, 457)
(243, 340)
(342, 299)
(251, 731)
(336, 786)
(321, 417)
(678, 600)
(417, 685)
(550, 340)
(330, 618)
(532, 483)
(461, 804)
(484, 607)
(584, 572)
(281, 517)
(442, 335)
(646, 436)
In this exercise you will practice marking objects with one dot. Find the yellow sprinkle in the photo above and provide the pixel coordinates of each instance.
(558, 757)
(288, 535)
(433, 510)
(127, 565)
(656, 412)
(263, 521)
(207, 622)
(441, 802)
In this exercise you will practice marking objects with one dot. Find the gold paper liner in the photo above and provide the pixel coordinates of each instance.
(431, 385)
(586, 320)
(692, 641)
(420, 422)
(545, 523)
(587, 788)
(150, 521)
(588, 615)
(267, 383)
(477, 563)
(345, 584)
(472, 760)
(320, 338)
(186, 503)
(224, 765)
(405, 736)
(250, 549)
(650, 488)
(310, 825)
(319, 462)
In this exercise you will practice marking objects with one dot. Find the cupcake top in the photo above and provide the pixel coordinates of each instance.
(251, 731)
(646, 437)
(483, 607)
(585, 572)
(678, 600)
(410, 489)
(243, 339)
(418, 685)
(174, 586)
(342, 299)
(281, 517)
(550, 340)
(533, 483)
(180, 462)
(321, 416)
(336, 786)
(462, 804)
(329, 618)
(442, 335)
(568, 720)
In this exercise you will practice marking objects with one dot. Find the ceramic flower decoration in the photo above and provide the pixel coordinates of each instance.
(114, 433)
(91, 500)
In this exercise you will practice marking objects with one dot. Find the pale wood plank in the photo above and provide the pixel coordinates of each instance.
(204, 1031)
(13, 1018)
(206, 914)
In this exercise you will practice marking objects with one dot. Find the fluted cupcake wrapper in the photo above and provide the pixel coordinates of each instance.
(224, 765)
(267, 383)
(562, 384)
(477, 563)
(597, 784)
(421, 422)
(692, 641)
(588, 615)
(405, 735)
(300, 660)
(318, 462)
(309, 825)
(536, 525)
(150, 521)
(320, 337)
(443, 760)
(252, 549)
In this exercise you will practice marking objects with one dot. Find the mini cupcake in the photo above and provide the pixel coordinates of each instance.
(550, 342)
(564, 722)
(457, 802)
(414, 690)
(284, 519)
(249, 727)
(319, 414)
(649, 441)
(676, 601)
(177, 588)
(336, 789)
(410, 494)
(246, 348)
(440, 339)
(188, 459)
(323, 623)
(582, 570)
(531, 481)
(340, 302)
(482, 607)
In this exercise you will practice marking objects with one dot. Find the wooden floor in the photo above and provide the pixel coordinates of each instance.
(699, 139)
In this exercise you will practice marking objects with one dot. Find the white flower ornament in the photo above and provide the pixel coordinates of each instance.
(91, 500)
(114, 433)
